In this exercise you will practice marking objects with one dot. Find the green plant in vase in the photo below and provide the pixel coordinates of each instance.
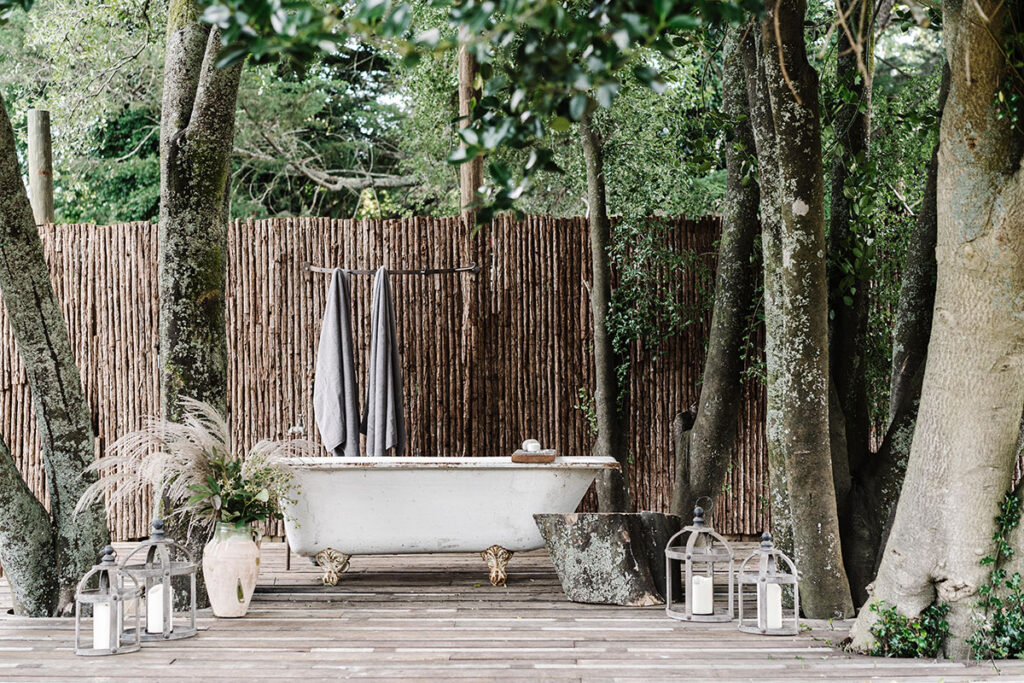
(190, 465)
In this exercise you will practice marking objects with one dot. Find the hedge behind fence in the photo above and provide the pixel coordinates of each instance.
(489, 358)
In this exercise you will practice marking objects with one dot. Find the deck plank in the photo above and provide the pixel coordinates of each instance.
(435, 617)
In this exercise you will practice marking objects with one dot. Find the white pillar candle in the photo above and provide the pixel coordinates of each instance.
(703, 591)
(101, 625)
(155, 609)
(773, 615)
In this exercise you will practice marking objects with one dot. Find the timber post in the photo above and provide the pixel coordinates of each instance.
(40, 166)
(471, 173)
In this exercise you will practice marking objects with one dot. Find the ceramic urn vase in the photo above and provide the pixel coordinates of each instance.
(231, 565)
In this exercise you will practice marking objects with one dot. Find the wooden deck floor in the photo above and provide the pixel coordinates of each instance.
(436, 617)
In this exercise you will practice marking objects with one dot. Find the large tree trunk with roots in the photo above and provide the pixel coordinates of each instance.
(196, 138)
(610, 400)
(799, 314)
(962, 458)
(44, 555)
(763, 127)
(704, 446)
(867, 512)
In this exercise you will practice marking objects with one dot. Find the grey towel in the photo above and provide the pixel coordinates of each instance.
(383, 421)
(335, 397)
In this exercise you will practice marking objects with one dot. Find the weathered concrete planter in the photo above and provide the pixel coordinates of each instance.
(610, 558)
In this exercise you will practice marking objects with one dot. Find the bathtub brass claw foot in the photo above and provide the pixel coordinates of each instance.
(333, 563)
(497, 559)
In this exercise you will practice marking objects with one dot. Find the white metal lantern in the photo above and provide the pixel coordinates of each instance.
(700, 551)
(775, 584)
(162, 567)
(114, 603)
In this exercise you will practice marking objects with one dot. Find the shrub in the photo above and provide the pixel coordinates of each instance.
(999, 630)
(897, 635)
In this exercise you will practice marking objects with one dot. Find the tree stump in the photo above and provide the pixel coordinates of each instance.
(612, 558)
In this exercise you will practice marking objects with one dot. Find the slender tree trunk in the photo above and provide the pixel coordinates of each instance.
(800, 314)
(848, 283)
(868, 509)
(766, 142)
(962, 457)
(609, 398)
(471, 173)
(704, 451)
(196, 140)
(62, 414)
(913, 322)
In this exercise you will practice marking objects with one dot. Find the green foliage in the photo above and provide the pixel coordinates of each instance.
(896, 635)
(1009, 97)
(8, 6)
(647, 304)
(120, 180)
(585, 404)
(999, 629)
(236, 495)
(886, 188)
(568, 60)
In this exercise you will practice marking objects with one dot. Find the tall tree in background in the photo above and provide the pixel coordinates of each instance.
(796, 311)
(964, 447)
(196, 139)
(43, 554)
(704, 440)
(877, 477)
(849, 236)
(610, 399)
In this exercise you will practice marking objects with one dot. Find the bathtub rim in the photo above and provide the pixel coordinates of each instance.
(445, 462)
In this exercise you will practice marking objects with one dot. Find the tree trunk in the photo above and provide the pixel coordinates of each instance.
(868, 508)
(609, 398)
(848, 281)
(703, 453)
(26, 544)
(62, 414)
(800, 314)
(913, 322)
(196, 140)
(962, 457)
(763, 127)
(471, 173)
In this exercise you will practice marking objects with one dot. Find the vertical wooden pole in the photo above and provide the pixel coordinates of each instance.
(40, 166)
(471, 173)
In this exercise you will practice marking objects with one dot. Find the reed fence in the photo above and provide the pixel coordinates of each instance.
(489, 358)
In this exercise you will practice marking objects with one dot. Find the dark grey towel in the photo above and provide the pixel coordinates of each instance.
(383, 421)
(335, 396)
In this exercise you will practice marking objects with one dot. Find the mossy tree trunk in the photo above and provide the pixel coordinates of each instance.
(766, 142)
(196, 140)
(610, 397)
(704, 441)
(798, 313)
(44, 554)
(964, 447)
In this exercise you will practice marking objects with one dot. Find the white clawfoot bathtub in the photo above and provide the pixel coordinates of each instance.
(361, 506)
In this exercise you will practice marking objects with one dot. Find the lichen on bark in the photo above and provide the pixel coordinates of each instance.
(196, 142)
(62, 414)
(796, 312)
